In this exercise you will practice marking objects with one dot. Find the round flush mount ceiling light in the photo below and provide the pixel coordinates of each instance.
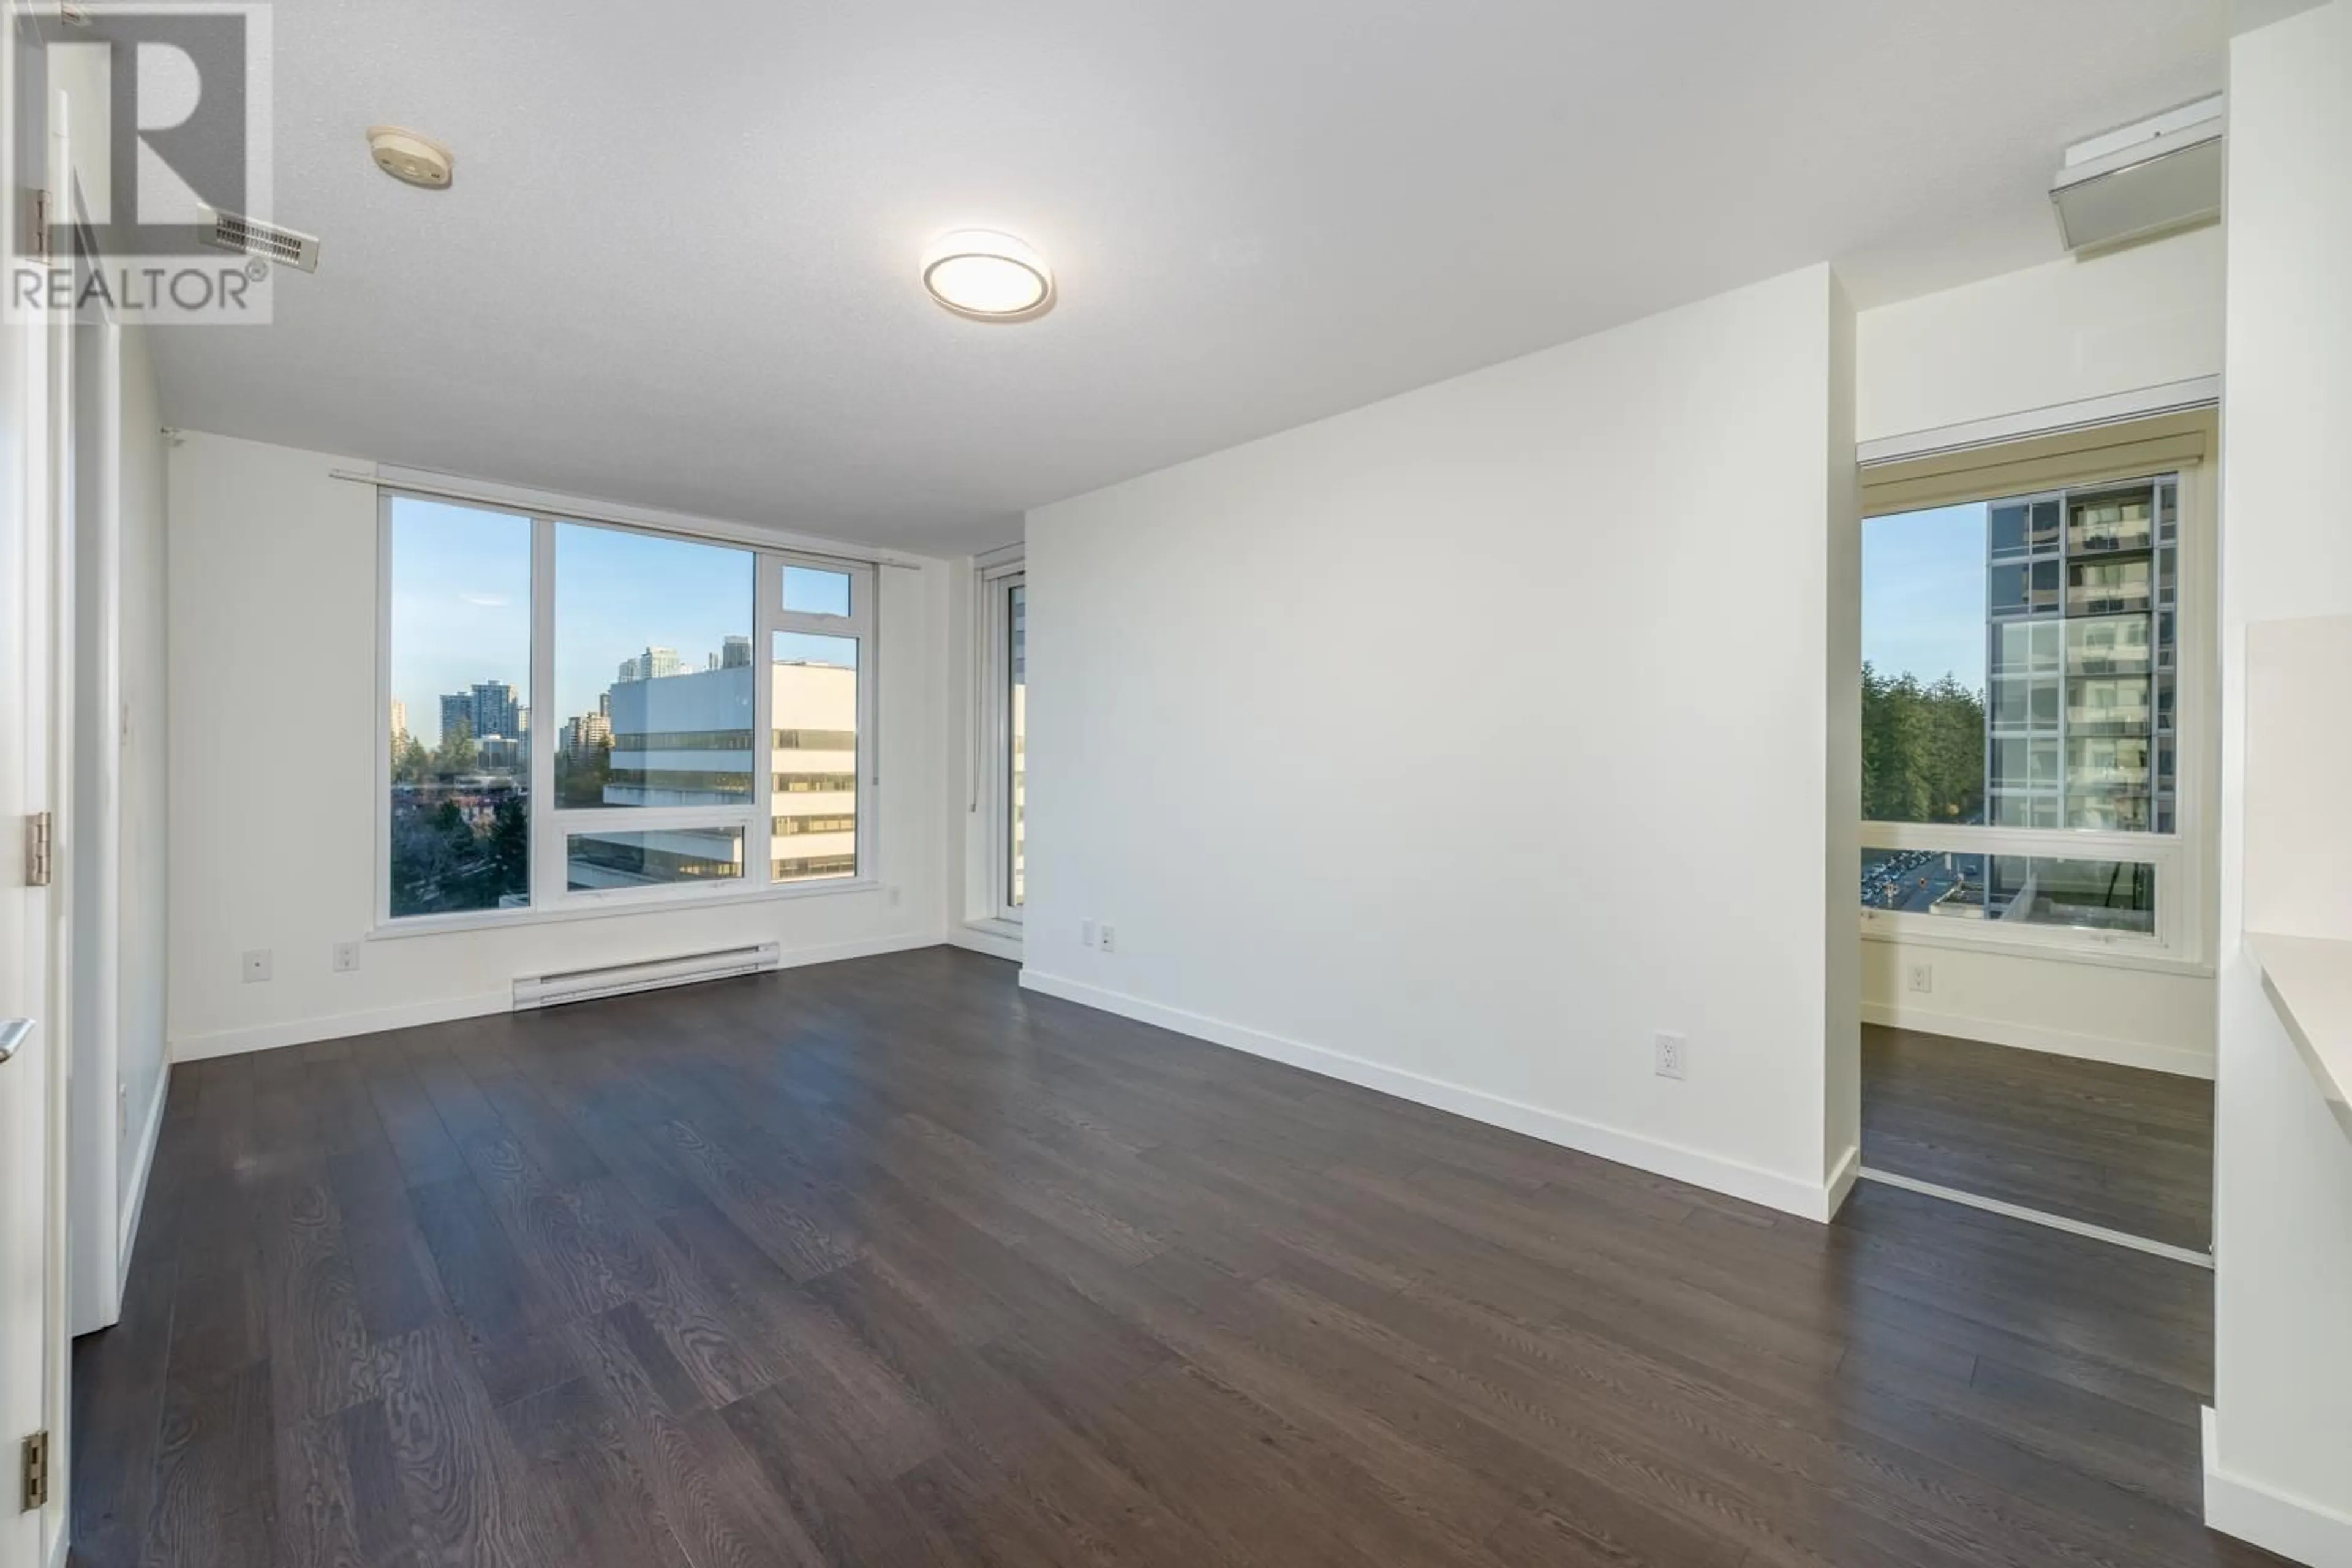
(988, 276)
(411, 158)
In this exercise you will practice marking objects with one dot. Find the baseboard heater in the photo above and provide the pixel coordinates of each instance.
(619, 979)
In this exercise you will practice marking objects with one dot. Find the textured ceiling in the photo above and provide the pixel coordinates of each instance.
(677, 266)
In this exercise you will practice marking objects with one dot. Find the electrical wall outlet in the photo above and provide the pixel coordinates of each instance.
(1086, 932)
(347, 957)
(1107, 936)
(1670, 1055)
(257, 965)
(1920, 977)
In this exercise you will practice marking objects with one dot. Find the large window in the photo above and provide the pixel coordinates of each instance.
(2021, 708)
(458, 627)
(666, 749)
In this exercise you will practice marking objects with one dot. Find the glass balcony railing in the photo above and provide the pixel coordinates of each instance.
(2108, 599)
(2108, 720)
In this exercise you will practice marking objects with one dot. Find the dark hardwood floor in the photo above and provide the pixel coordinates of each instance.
(2120, 1147)
(888, 1262)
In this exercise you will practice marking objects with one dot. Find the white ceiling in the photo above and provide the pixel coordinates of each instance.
(677, 266)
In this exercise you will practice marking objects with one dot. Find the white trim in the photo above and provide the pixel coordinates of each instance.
(575, 909)
(337, 1025)
(1790, 1194)
(2171, 945)
(988, 937)
(2054, 419)
(1971, 936)
(2291, 1526)
(476, 1005)
(525, 501)
(126, 1232)
(2044, 1218)
(1844, 1171)
(2173, 1060)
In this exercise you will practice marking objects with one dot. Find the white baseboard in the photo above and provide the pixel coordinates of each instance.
(2306, 1531)
(2034, 1037)
(141, 1170)
(1809, 1200)
(993, 943)
(337, 1025)
(1842, 1176)
(447, 1010)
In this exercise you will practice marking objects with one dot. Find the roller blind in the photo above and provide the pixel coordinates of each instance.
(2125, 450)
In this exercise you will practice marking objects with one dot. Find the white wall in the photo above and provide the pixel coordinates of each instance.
(140, 1033)
(2146, 316)
(274, 734)
(2279, 1456)
(2137, 1018)
(2072, 331)
(1460, 743)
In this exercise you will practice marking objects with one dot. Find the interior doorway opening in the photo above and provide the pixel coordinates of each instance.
(2037, 869)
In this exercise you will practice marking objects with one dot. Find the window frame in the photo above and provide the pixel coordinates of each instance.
(995, 664)
(2182, 936)
(551, 825)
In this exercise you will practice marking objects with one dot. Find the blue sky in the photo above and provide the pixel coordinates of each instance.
(618, 594)
(1923, 593)
(461, 606)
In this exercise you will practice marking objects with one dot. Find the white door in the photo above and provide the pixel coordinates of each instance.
(32, 1369)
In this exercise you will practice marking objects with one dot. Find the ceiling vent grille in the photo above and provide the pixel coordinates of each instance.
(251, 237)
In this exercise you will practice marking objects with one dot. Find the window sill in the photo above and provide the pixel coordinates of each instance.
(497, 920)
(2097, 954)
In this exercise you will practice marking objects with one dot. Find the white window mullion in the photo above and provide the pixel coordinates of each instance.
(865, 613)
(760, 849)
(547, 879)
(383, 709)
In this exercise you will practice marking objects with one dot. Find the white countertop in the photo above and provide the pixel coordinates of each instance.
(2310, 982)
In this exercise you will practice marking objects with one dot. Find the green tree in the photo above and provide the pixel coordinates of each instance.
(581, 783)
(510, 847)
(457, 754)
(1922, 749)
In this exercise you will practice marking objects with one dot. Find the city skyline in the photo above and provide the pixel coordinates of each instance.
(461, 608)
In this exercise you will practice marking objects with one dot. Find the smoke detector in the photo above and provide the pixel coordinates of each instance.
(410, 158)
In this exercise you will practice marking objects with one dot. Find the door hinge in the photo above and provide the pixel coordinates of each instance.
(36, 1471)
(39, 851)
(36, 243)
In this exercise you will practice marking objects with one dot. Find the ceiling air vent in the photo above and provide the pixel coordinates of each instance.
(251, 237)
(2143, 180)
